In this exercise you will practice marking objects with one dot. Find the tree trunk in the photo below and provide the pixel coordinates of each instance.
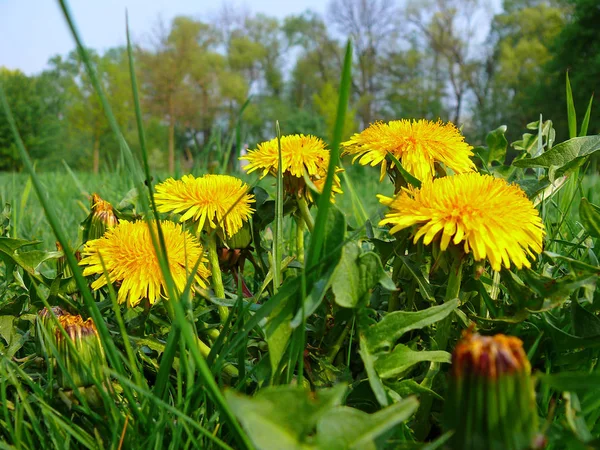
(96, 155)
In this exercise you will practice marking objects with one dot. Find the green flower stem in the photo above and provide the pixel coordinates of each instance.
(423, 416)
(305, 213)
(300, 239)
(394, 301)
(229, 370)
(217, 279)
(338, 343)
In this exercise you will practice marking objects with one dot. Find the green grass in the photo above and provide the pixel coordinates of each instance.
(69, 192)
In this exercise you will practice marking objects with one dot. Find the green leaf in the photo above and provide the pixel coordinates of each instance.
(533, 187)
(283, 417)
(410, 178)
(348, 428)
(572, 381)
(590, 217)
(405, 388)
(385, 333)
(564, 155)
(585, 324)
(402, 358)
(496, 145)
(356, 275)
(424, 286)
(374, 380)
(7, 330)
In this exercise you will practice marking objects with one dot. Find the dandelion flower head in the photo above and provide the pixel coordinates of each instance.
(299, 154)
(218, 202)
(417, 144)
(130, 259)
(491, 218)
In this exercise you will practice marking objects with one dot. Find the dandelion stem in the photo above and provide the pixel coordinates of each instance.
(305, 213)
(423, 416)
(217, 278)
(300, 239)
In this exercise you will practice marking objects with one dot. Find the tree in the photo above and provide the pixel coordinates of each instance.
(449, 28)
(522, 37)
(374, 26)
(576, 49)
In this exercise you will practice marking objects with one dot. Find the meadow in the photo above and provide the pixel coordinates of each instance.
(353, 294)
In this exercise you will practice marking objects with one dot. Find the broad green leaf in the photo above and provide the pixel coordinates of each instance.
(374, 380)
(385, 333)
(7, 330)
(315, 297)
(405, 388)
(585, 324)
(590, 217)
(348, 428)
(533, 187)
(565, 154)
(356, 275)
(496, 145)
(283, 417)
(402, 358)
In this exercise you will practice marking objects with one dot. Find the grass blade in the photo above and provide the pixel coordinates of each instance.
(324, 202)
(571, 116)
(586, 119)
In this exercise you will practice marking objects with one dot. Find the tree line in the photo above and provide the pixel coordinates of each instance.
(234, 74)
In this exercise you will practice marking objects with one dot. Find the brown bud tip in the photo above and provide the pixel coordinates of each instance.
(489, 356)
(104, 211)
(76, 327)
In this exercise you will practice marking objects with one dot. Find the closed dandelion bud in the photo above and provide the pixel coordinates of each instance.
(491, 400)
(45, 320)
(64, 271)
(102, 217)
(82, 364)
(240, 240)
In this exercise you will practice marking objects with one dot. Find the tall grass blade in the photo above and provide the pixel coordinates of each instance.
(278, 237)
(571, 116)
(586, 119)
(324, 202)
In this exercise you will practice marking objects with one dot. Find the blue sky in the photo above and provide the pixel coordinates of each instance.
(31, 31)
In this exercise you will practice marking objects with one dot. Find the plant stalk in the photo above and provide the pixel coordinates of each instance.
(423, 416)
(217, 278)
(305, 213)
(300, 239)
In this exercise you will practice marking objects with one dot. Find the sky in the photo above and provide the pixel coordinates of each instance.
(32, 31)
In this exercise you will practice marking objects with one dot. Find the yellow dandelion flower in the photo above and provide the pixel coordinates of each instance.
(493, 219)
(299, 154)
(220, 202)
(417, 145)
(130, 259)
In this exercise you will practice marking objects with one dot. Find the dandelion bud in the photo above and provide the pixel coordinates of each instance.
(491, 400)
(85, 363)
(241, 239)
(64, 271)
(102, 217)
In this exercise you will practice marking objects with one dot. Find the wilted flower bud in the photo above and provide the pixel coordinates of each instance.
(102, 217)
(85, 363)
(491, 400)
